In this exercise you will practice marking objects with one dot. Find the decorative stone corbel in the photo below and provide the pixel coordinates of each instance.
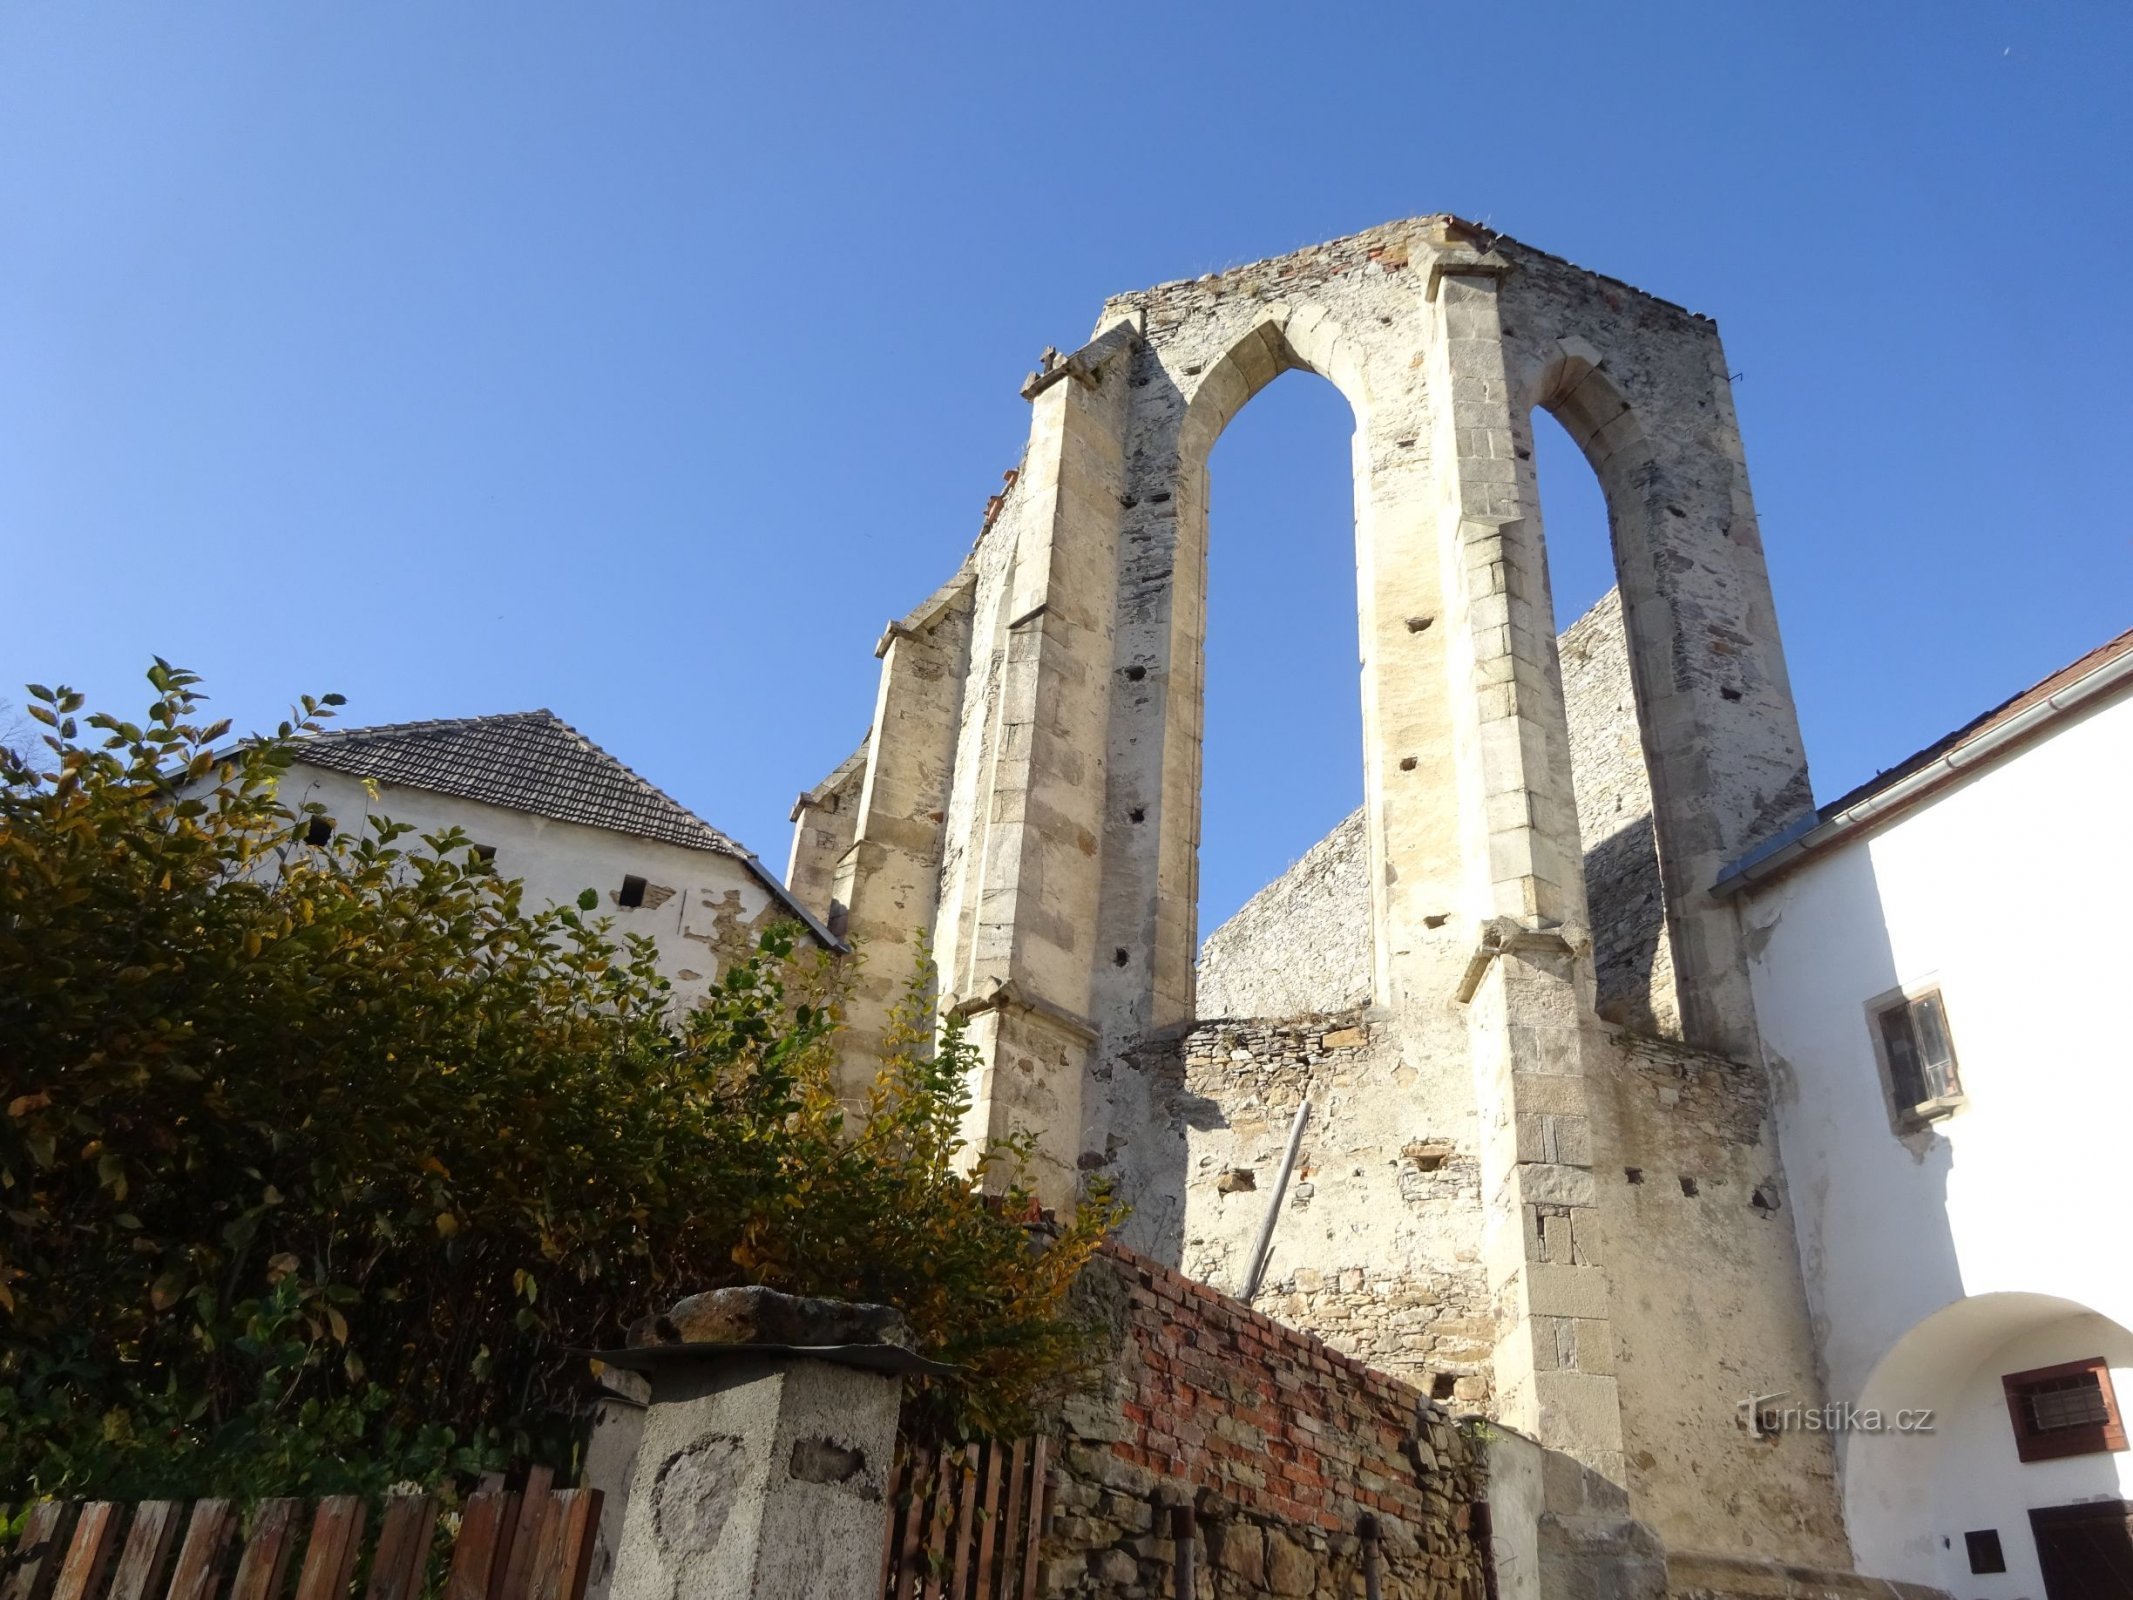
(1501, 935)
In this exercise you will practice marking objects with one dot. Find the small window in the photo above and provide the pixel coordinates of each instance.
(485, 855)
(2067, 1410)
(1985, 1552)
(1917, 1056)
(632, 895)
(320, 832)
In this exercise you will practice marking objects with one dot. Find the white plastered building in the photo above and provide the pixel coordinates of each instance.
(1936, 961)
(558, 812)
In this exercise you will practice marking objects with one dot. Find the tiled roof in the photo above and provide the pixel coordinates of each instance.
(1978, 727)
(530, 761)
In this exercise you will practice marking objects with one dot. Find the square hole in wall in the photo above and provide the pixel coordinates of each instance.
(1985, 1552)
(632, 895)
(320, 832)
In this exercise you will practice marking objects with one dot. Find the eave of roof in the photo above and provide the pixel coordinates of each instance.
(1998, 733)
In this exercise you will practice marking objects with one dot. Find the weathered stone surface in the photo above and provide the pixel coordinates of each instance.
(752, 1314)
(1528, 877)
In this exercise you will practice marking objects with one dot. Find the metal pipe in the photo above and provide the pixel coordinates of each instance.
(1369, 1531)
(1273, 1205)
(1181, 1532)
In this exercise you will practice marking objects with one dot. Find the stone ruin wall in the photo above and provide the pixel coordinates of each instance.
(1377, 1248)
(1633, 959)
(1280, 1446)
(1708, 1306)
(1302, 944)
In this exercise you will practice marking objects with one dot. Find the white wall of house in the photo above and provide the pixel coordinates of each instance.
(695, 899)
(1938, 1259)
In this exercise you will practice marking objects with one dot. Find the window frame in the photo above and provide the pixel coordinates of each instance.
(1907, 1116)
(2053, 1444)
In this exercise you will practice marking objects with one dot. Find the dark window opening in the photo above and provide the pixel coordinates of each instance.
(632, 895)
(1916, 1047)
(1985, 1552)
(485, 854)
(2067, 1410)
(1442, 1384)
(320, 832)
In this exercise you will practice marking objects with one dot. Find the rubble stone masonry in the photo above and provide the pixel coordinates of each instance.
(1287, 1455)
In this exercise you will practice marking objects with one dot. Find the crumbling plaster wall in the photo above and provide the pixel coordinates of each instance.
(1377, 1246)
(1708, 1307)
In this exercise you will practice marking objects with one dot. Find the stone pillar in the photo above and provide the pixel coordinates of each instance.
(1528, 1003)
(890, 875)
(1032, 951)
(763, 1469)
(824, 820)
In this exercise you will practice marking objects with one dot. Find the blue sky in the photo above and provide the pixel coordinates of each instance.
(640, 361)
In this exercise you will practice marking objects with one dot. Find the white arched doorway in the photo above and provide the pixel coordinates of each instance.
(2015, 1470)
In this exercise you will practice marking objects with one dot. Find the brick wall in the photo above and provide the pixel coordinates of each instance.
(1280, 1445)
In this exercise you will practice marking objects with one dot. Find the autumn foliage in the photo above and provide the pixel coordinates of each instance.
(321, 1165)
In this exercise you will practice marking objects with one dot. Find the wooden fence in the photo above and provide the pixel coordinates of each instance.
(530, 1544)
(966, 1524)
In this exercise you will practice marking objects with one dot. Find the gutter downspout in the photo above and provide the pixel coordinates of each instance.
(1819, 832)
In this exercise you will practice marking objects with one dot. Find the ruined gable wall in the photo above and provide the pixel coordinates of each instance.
(1302, 943)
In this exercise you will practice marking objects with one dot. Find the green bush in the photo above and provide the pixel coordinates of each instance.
(323, 1165)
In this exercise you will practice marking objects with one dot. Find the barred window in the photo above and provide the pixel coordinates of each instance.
(2067, 1410)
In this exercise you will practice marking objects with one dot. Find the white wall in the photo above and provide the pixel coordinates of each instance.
(2009, 891)
(1982, 1483)
(711, 892)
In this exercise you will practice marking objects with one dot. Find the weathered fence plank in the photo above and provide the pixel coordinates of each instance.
(1034, 1543)
(39, 1552)
(266, 1553)
(403, 1553)
(514, 1574)
(207, 1541)
(148, 1541)
(988, 1517)
(336, 1540)
(563, 1553)
(484, 1531)
(966, 1495)
(107, 1550)
(89, 1553)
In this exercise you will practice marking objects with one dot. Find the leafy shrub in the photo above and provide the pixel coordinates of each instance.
(322, 1166)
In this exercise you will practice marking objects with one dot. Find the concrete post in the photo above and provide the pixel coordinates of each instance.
(763, 1469)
